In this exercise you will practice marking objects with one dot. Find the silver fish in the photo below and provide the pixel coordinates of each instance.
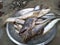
(50, 25)
(17, 20)
(31, 14)
(41, 21)
(35, 14)
(10, 19)
(49, 16)
(39, 27)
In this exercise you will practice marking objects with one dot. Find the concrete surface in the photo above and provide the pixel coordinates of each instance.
(4, 40)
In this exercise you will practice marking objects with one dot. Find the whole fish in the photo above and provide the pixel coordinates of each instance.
(17, 20)
(37, 14)
(50, 25)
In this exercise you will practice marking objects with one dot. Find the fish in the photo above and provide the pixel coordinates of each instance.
(17, 27)
(25, 16)
(49, 16)
(50, 25)
(41, 21)
(17, 20)
(37, 29)
(11, 19)
(37, 14)
(43, 12)
(29, 24)
(26, 36)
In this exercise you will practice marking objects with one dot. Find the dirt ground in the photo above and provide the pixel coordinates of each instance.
(4, 40)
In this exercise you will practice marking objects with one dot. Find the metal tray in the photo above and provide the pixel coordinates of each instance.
(13, 35)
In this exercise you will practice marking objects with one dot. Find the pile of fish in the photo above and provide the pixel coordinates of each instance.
(28, 26)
